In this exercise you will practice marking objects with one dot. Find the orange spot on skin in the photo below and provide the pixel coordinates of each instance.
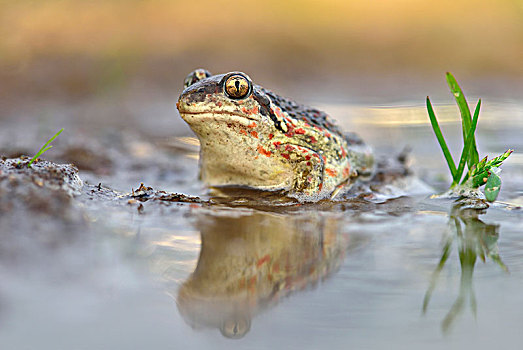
(320, 186)
(346, 171)
(271, 136)
(219, 104)
(263, 151)
(290, 121)
(299, 131)
(254, 134)
(307, 157)
(327, 134)
(194, 206)
(253, 110)
(290, 130)
(263, 260)
(331, 172)
(252, 125)
(308, 163)
(279, 113)
(313, 139)
(289, 148)
(343, 152)
(286, 156)
(243, 132)
(277, 144)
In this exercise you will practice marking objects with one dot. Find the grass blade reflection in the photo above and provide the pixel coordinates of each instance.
(474, 239)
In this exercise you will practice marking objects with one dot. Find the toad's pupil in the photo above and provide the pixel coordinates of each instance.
(237, 87)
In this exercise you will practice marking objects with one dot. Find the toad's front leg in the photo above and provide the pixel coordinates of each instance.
(308, 168)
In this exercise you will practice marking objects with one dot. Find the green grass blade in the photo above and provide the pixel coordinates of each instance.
(45, 147)
(42, 151)
(52, 138)
(441, 139)
(469, 140)
(466, 121)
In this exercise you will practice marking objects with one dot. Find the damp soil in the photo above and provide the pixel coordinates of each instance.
(111, 241)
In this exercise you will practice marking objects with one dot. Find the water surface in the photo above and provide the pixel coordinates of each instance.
(340, 275)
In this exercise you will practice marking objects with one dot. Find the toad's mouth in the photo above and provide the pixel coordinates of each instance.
(216, 115)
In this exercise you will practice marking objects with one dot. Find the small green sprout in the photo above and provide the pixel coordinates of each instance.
(45, 147)
(479, 173)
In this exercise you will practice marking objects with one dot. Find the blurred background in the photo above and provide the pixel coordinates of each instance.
(375, 52)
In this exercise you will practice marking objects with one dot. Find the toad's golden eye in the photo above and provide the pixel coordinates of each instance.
(196, 76)
(237, 86)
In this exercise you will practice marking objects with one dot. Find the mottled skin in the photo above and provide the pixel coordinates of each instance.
(264, 141)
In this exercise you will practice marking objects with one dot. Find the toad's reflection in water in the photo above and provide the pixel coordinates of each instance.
(474, 239)
(249, 262)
